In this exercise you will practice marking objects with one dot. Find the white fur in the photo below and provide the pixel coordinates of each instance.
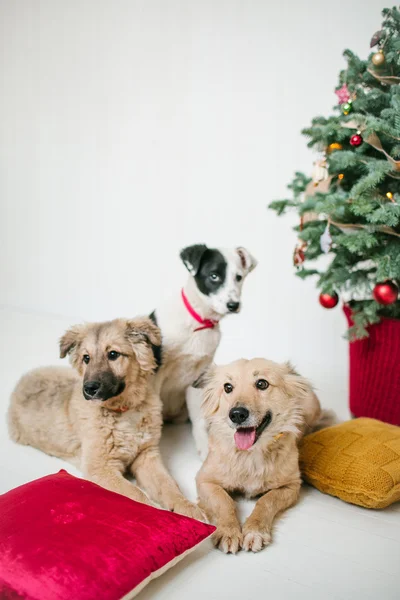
(194, 398)
(187, 353)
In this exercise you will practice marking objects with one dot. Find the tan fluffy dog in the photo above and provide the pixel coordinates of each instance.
(104, 416)
(256, 410)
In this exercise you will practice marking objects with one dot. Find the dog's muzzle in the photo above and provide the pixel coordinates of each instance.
(246, 437)
(103, 390)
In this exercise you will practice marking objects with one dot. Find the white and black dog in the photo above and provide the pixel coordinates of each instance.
(189, 324)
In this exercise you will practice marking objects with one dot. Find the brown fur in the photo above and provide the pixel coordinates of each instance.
(105, 438)
(270, 468)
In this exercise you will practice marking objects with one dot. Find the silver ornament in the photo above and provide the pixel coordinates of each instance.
(326, 240)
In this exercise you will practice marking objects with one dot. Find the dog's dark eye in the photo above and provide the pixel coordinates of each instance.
(113, 355)
(228, 387)
(214, 277)
(239, 277)
(262, 384)
(86, 358)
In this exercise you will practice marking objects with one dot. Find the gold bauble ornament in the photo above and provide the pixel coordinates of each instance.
(334, 146)
(378, 58)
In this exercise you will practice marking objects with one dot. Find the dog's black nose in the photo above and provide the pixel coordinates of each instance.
(233, 306)
(91, 388)
(238, 415)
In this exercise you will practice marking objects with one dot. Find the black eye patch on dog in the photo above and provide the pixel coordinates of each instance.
(211, 274)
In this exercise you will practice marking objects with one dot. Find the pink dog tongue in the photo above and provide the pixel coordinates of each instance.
(245, 438)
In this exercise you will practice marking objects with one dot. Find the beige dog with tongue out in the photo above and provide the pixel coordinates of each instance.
(256, 411)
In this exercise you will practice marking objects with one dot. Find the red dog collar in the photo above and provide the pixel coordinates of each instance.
(205, 323)
(117, 409)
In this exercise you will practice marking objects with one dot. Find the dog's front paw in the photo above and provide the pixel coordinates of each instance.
(254, 541)
(227, 539)
(188, 509)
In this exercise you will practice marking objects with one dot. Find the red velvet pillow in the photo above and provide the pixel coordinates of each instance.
(64, 538)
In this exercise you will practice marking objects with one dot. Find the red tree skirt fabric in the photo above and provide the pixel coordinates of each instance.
(375, 371)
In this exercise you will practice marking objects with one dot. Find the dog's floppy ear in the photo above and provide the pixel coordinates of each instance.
(191, 257)
(70, 340)
(247, 260)
(300, 389)
(143, 334)
(211, 394)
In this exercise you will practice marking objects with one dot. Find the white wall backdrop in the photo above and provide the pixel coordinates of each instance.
(130, 128)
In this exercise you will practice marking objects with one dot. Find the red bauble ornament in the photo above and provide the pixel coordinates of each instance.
(356, 140)
(386, 292)
(328, 300)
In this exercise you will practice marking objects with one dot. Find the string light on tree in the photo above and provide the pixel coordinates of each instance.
(386, 292)
(328, 300)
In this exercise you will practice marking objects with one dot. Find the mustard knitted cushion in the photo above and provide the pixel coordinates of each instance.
(357, 461)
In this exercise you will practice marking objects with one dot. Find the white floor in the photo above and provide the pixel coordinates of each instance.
(322, 548)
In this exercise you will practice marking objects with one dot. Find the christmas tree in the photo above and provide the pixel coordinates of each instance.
(350, 208)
